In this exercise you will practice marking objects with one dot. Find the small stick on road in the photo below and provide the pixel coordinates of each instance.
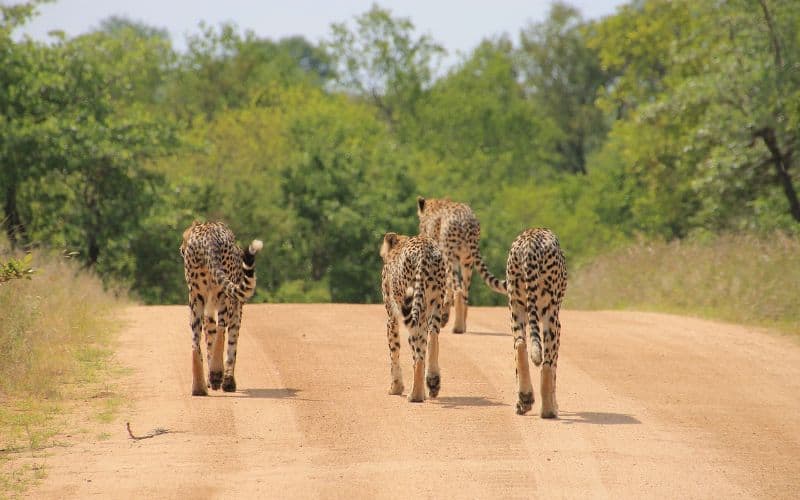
(153, 433)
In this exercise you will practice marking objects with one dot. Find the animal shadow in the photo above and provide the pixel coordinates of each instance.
(595, 417)
(466, 401)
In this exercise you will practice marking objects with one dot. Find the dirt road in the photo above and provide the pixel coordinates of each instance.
(651, 406)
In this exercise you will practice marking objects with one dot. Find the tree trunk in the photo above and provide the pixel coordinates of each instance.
(15, 229)
(782, 168)
(781, 162)
(580, 153)
(93, 250)
(93, 223)
(773, 36)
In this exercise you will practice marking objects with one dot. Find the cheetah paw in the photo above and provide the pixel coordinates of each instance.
(214, 380)
(396, 388)
(229, 384)
(434, 383)
(525, 403)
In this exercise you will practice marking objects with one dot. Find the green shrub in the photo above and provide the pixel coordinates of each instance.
(16, 269)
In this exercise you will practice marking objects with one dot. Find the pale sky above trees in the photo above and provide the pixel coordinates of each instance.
(458, 25)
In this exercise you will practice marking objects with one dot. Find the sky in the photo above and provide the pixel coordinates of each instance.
(458, 25)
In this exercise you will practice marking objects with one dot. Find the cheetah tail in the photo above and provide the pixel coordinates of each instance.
(413, 301)
(248, 283)
(535, 333)
(247, 286)
(249, 257)
(490, 280)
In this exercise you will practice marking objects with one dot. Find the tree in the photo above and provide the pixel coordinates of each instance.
(120, 25)
(22, 75)
(225, 69)
(784, 82)
(482, 127)
(381, 59)
(148, 83)
(563, 75)
(347, 185)
(710, 129)
(78, 141)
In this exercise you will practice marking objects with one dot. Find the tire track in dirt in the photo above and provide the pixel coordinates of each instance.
(359, 426)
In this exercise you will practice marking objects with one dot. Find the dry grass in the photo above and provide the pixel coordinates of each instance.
(737, 278)
(55, 338)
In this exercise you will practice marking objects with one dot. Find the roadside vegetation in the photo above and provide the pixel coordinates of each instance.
(666, 119)
(736, 278)
(56, 338)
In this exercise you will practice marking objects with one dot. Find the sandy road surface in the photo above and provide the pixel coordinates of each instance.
(651, 406)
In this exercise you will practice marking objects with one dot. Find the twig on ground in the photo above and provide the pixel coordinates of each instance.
(155, 432)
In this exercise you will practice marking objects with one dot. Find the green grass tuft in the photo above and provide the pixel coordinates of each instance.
(738, 278)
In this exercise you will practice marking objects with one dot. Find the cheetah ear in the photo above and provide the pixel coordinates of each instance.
(420, 204)
(390, 239)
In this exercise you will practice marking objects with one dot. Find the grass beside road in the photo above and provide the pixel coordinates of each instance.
(737, 278)
(56, 337)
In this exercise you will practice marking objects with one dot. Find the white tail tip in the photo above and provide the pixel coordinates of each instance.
(255, 246)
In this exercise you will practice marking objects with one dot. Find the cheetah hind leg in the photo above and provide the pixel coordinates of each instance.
(196, 312)
(232, 322)
(552, 337)
(216, 340)
(433, 377)
(462, 298)
(523, 374)
(548, 389)
(460, 323)
(524, 386)
(392, 333)
(417, 394)
(459, 299)
(418, 344)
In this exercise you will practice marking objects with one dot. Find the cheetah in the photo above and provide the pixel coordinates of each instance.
(220, 278)
(457, 231)
(537, 281)
(413, 286)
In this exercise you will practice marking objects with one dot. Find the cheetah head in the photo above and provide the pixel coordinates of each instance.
(390, 242)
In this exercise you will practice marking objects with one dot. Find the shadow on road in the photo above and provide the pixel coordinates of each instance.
(463, 401)
(595, 417)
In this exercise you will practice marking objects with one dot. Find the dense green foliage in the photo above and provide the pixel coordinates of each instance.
(666, 120)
